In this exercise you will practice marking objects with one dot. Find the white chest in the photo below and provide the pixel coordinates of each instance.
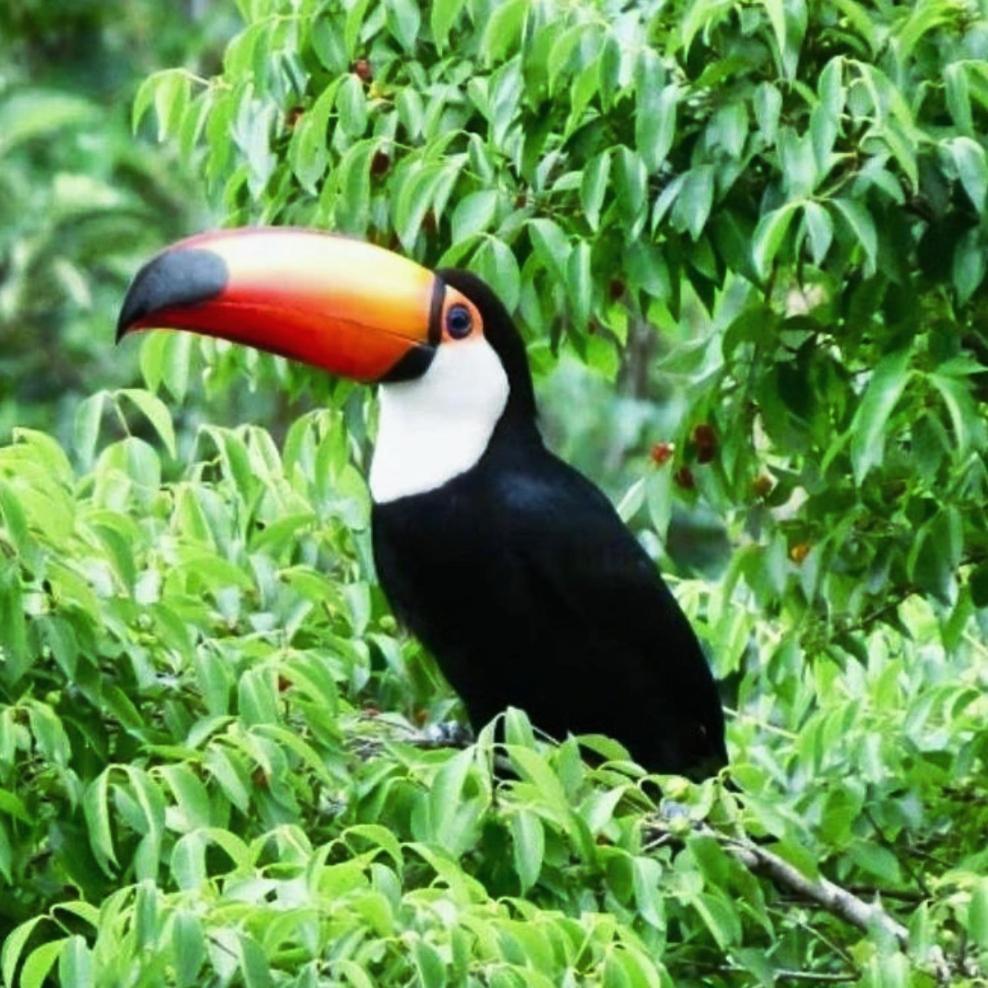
(437, 426)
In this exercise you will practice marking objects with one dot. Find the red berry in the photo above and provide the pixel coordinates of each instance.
(662, 453)
(799, 552)
(685, 479)
(380, 163)
(763, 484)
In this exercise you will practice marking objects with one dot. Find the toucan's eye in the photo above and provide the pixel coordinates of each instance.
(459, 322)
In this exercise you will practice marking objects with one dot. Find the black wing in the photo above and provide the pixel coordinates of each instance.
(629, 644)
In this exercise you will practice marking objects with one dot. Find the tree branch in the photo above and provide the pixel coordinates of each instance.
(783, 974)
(832, 898)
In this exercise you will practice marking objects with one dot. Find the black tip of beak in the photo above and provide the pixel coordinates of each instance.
(183, 276)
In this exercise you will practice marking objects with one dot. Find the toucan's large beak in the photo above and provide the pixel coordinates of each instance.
(349, 307)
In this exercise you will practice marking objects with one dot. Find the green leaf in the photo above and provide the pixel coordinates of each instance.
(868, 428)
(647, 879)
(75, 964)
(404, 19)
(171, 97)
(799, 162)
(190, 796)
(442, 17)
(495, 262)
(13, 627)
(40, 962)
(518, 728)
(729, 128)
(969, 265)
(528, 844)
(413, 201)
(351, 104)
(142, 103)
(411, 112)
(768, 107)
(324, 40)
(859, 220)
(307, 152)
(429, 965)
(561, 54)
(769, 235)
(631, 183)
(593, 187)
(923, 18)
(658, 497)
(977, 914)
(958, 94)
(354, 973)
(445, 795)
(877, 860)
(254, 963)
(579, 283)
(14, 520)
(189, 947)
(777, 18)
(13, 946)
(155, 411)
(695, 200)
(820, 228)
(88, 416)
(551, 245)
(473, 214)
(95, 805)
(351, 207)
(719, 917)
(535, 769)
(503, 30)
(972, 168)
(655, 113)
(956, 396)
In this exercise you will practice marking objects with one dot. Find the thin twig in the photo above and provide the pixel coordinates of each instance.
(914, 875)
(758, 722)
(902, 895)
(784, 974)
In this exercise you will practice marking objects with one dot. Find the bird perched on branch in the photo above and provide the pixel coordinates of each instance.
(511, 567)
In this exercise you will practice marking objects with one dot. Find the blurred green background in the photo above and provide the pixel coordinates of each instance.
(84, 202)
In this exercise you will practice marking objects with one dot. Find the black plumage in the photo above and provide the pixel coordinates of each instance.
(525, 584)
(516, 572)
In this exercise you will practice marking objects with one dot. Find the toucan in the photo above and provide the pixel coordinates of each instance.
(512, 568)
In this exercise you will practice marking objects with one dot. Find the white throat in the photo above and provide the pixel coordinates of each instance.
(437, 426)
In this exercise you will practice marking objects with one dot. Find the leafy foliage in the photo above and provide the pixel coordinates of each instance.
(767, 215)
(79, 198)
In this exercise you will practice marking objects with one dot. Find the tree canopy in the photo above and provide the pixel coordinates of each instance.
(746, 244)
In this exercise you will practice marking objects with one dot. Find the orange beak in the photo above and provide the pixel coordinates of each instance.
(349, 307)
